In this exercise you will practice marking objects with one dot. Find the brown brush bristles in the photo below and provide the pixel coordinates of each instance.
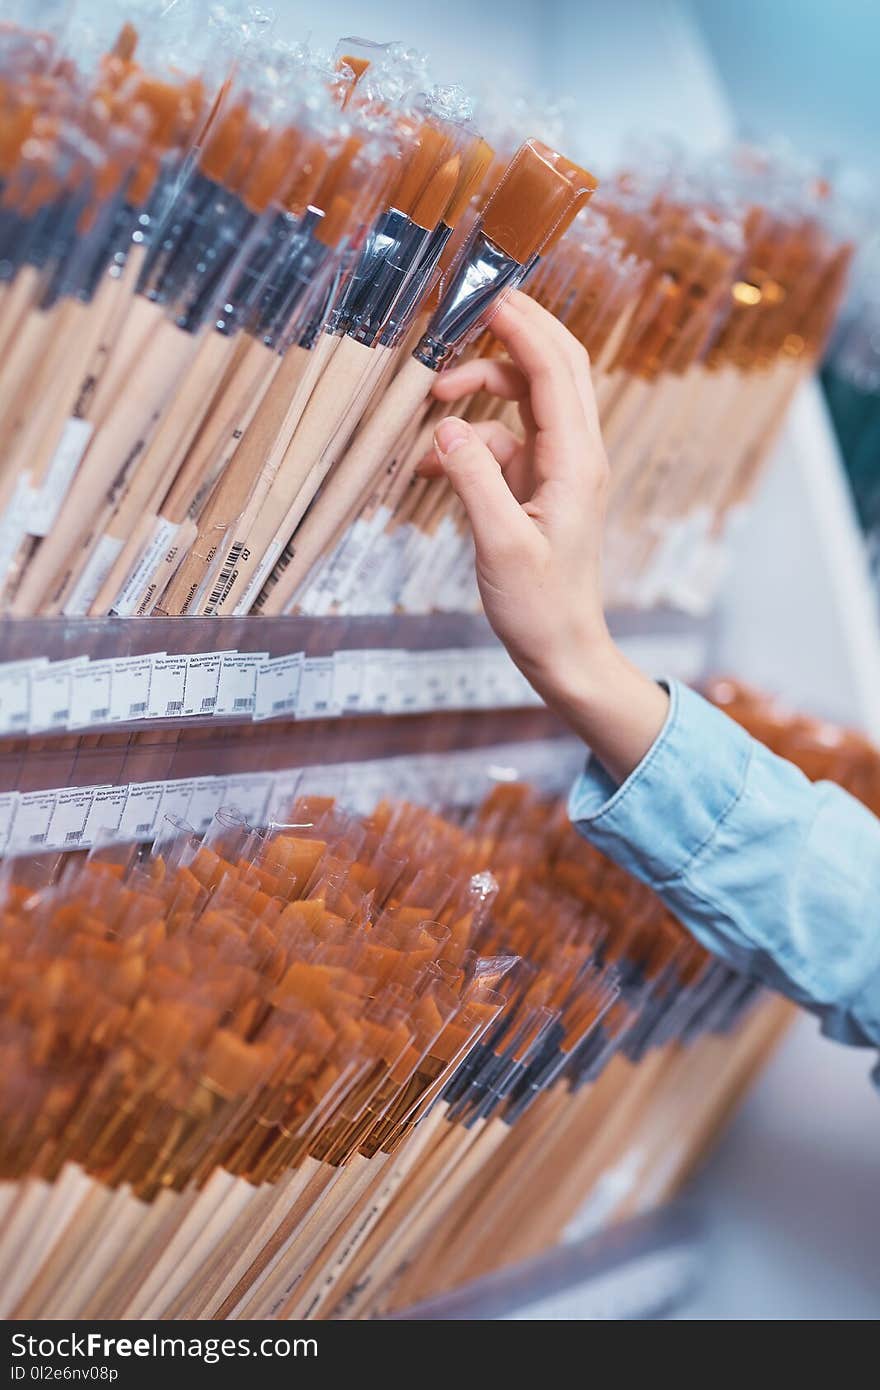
(434, 200)
(474, 167)
(420, 165)
(535, 197)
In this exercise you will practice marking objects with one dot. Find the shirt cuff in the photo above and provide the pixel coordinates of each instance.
(671, 804)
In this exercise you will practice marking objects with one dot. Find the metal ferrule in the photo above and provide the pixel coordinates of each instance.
(370, 312)
(483, 272)
(407, 303)
(290, 279)
(268, 249)
(319, 315)
(199, 286)
(389, 253)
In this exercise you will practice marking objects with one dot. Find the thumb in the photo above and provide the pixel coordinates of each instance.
(476, 477)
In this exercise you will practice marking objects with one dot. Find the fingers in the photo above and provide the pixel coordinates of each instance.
(501, 379)
(476, 477)
(508, 450)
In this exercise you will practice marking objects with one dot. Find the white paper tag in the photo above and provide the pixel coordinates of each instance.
(30, 828)
(8, 808)
(15, 694)
(315, 697)
(69, 818)
(206, 799)
(138, 819)
(13, 523)
(176, 796)
(348, 680)
(377, 681)
(166, 687)
(130, 687)
(97, 567)
(105, 815)
(249, 792)
(236, 688)
(405, 688)
(202, 682)
(90, 694)
(277, 690)
(46, 501)
(252, 589)
(50, 695)
(161, 539)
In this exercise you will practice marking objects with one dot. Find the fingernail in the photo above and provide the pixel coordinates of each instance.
(450, 435)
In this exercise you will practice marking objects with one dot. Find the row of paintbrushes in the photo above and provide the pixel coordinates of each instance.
(253, 1076)
(330, 1067)
(223, 309)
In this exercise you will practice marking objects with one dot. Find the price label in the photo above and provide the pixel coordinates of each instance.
(202, 682)
(277, 691)
(130, 687)
(50, 695)
(167, 683)
(8, 808)
(15, 694)
(90, 694)
(69, 818)
(206, 800)
(138, 819)
(174, 805)
(237, 684)
(377, 681)
(406, 690)
(30, 829)
(315, 698)
(105, 815)
(348, 680)
(249, 792)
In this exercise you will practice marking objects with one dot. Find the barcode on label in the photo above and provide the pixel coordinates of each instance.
(243, 702)
(39, 839)
(137, 708)
(279, 705)
(208, 703)
(100, 713)
(59, 716)
(72, 836)
(143, 828)
(226, 576)
(174, 707)
(19, 718)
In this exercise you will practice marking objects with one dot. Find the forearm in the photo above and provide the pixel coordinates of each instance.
(616, 709)
(777, 875)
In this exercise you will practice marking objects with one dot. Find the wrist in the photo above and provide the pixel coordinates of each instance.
(614, 707)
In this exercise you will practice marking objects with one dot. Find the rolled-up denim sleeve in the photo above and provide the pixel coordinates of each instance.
(777, 875)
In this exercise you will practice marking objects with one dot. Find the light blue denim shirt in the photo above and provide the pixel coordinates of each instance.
(777, 875)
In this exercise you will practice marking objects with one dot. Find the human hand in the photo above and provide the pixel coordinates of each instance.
(536, 505)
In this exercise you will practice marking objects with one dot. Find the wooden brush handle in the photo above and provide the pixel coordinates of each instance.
(230, 497)
(113, 452)
(368, 454)
(232, 411)
(20, 297)
(326, 421)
